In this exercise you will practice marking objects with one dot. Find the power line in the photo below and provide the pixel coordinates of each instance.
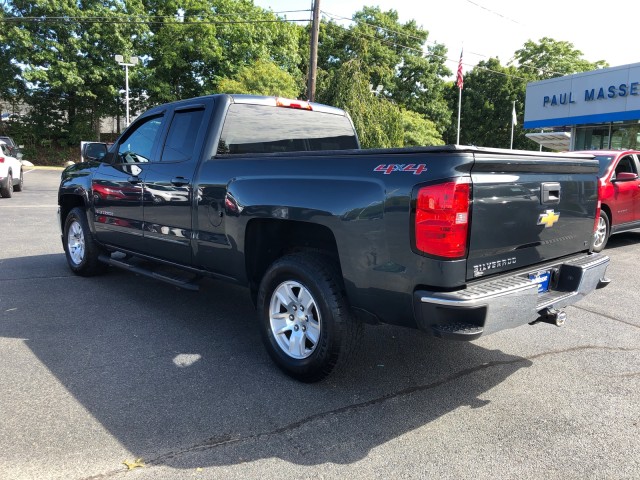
(494, 12)
(152, 19)
(421, 52)
(156, 22)
(455, 61)
(359, 22)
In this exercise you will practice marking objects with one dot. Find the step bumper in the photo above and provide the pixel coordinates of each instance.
(507, 301)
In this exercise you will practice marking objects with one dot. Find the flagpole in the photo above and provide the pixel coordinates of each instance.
(459, 83)
(513, 118)
(459, 110)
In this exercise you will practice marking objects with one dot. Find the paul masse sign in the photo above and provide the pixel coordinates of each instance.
(607, 95)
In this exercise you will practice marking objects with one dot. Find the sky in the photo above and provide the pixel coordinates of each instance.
(497, 28)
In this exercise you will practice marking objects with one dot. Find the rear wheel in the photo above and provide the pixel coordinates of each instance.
(602, 232)
(6, 190)
(81, 249)
(18, 187)
(305, 321)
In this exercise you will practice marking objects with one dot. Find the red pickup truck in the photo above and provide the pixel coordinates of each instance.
(619, 192)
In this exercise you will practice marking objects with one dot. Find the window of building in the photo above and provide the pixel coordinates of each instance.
(625, 137)
(612, 136)
(592, 138)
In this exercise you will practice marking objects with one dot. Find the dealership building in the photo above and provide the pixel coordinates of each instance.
(585, 111)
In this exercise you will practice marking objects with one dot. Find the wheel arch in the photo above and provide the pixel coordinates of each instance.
(68, 202)
(266, 240)
(606, 209)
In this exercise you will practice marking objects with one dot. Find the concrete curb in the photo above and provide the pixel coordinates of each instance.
(36, 167)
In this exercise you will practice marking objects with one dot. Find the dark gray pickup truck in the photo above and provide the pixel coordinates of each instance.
(275, 195)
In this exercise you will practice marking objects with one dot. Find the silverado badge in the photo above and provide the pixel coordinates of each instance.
(548, 218)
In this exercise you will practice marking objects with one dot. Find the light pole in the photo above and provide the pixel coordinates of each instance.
(132, 62)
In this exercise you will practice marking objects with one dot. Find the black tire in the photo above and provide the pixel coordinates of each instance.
(80, 248)
(601, 236)
(20, 185)
(329, 317)
(6, 190)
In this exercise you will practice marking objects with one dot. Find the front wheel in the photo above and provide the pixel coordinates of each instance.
(602, 232)
(305, 321)
(81, 249)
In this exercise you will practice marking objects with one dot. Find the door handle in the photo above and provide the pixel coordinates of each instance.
(179, 181)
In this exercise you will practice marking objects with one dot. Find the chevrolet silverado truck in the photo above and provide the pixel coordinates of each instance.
(276, 195)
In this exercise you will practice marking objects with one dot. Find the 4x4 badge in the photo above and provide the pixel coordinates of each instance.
(548, 218)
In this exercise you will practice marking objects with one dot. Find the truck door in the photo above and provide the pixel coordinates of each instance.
(168, 187)
(627, 193)
(117, 186)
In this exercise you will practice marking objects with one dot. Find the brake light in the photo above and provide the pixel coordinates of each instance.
(442, 218)
(1, 159)
(299, 104)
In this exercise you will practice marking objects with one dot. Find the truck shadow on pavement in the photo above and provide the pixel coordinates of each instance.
(181, 378)
(622, 240)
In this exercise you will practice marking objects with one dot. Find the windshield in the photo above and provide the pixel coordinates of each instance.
(605, 162)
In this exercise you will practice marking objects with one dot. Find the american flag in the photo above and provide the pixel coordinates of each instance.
(459, 79)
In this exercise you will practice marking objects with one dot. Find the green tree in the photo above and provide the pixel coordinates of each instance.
(198, 43)
(67, 68)
(393, 57)
(490, 90)
(8, 70)
(419, 131)
(377, 120)
(550, 58)
(487, 105)
(262, 78)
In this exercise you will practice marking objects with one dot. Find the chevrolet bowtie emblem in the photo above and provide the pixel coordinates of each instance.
(548, 218)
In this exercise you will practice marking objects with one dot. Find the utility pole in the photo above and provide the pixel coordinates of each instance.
(313, 57)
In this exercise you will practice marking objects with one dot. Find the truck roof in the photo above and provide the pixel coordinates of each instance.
(256, 100)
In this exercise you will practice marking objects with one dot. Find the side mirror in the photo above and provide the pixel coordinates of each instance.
(625, 177)
(93, 151)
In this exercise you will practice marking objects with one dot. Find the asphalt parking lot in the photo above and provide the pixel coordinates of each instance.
(98, 371)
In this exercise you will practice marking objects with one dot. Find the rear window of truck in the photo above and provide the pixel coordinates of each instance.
(265, 129)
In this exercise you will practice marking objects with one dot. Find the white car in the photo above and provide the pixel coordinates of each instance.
(11, 179)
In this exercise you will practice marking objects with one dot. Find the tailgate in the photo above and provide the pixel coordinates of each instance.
(529, 209)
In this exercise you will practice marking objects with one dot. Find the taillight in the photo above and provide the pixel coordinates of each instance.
(442, 218)
(1, 159)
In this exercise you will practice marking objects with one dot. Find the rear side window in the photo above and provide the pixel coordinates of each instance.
(265, 129)
(604, 161)
(182, 135)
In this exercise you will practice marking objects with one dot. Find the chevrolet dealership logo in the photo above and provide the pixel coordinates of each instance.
(548, 218)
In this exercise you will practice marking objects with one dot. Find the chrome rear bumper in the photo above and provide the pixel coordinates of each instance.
(508, 301)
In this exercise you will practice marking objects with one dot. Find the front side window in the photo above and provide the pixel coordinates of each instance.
(266, 129)
(626, 165)
(138, 146)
